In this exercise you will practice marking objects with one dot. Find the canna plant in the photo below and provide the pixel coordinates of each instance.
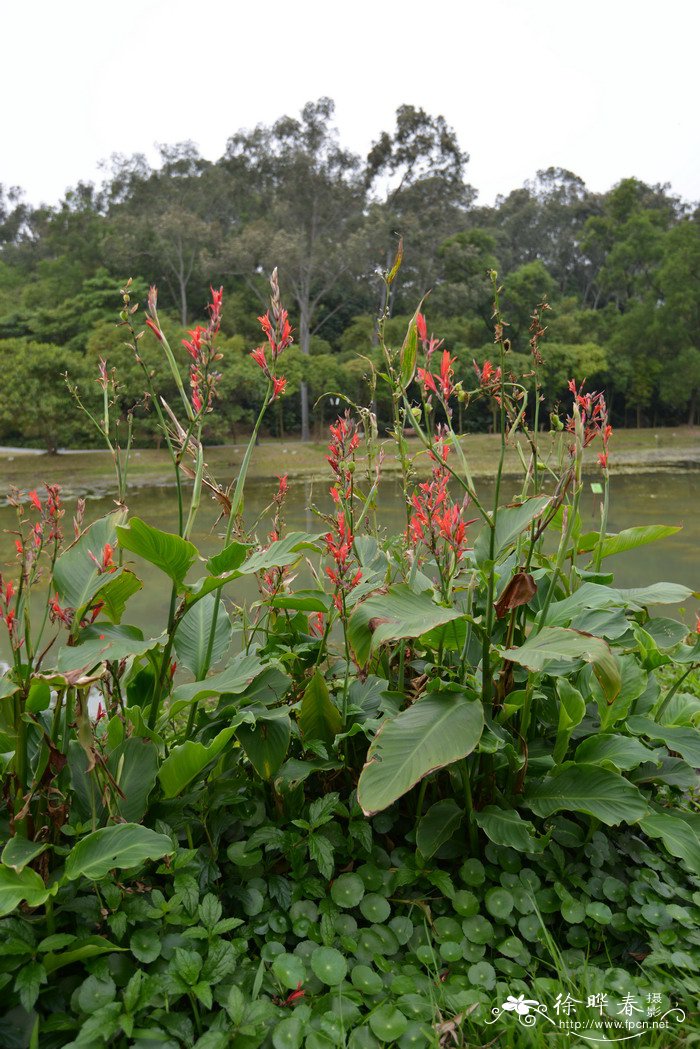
(480, 671)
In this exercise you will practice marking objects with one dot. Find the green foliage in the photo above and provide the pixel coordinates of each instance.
(438, 769)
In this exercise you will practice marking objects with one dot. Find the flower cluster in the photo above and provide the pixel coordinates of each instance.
(200, 347)
(442, 384)
(594, 419)
(430, 345)
(278, 332)
(33, 538)
(346, 575)
(8, 614)
(488, 377)
(339, 540)
(437, 521)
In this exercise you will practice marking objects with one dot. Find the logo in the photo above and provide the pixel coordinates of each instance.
(595, 1019)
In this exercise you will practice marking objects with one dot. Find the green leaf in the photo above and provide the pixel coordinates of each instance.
(186, 762)
(684, 741)
(558, 643)
(507, 827)
(39, 697)
(319, 718)
(623, 752)
(283, 552)
(88, 947)
(76, 577)
(266, 742)
(656, 594)
(439, 728)
(588, 596)
(167, 551)
(122, 847)
(229, 559)
(303, 601)
(511, 522)
(19, 852)
(438, 825)
(236, 678)
(666, 633)
(104, 649)
(676, 834)
(399, 613)
(18, 886)
(134, 765)
(191, 639)
(121, 586)
(587, 788)
(409, 354)
(631, 538)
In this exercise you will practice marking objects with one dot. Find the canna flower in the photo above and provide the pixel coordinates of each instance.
(260, 359)
(155, 329)
(36, 501)
(278, 386)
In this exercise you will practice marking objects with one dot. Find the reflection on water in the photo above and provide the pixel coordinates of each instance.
(662, 498)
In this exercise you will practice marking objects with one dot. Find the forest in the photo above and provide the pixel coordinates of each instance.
(618, 270)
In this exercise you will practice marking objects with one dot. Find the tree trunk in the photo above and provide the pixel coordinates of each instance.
(304, 341)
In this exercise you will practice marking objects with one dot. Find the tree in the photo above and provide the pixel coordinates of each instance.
(426, 198)
(313, 223)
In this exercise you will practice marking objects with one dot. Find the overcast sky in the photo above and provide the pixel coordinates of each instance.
(606, 88)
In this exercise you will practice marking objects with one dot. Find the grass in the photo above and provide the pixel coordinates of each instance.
(90, 472)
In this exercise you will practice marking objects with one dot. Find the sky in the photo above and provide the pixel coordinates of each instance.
(605, 88)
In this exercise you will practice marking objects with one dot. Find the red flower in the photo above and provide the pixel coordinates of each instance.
(36, 500)
(427, 379)
(155, 329)
(194, 346)
(422, 328)
(260, 359)
(278, 386)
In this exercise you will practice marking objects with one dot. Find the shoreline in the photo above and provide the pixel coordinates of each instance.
(89, 473)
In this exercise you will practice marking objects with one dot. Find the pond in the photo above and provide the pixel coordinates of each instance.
(644, 499)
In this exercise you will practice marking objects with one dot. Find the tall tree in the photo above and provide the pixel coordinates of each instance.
(312, 226)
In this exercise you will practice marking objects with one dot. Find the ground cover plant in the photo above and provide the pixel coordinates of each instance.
(432, 788)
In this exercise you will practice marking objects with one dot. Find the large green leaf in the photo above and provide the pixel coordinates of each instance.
(134, 765)
(76, 576)
(607, 748)
(399, 613)
(438, 825)
(229, 559)
(556, 644)
(18, 853)
(507, 827)
(511, 522)
(319, 718)
(677, 835)
(684, 741)
(191, 639)
(16, 886)
(588, 596)
(122, 847)
(116, 592)
(266, 742)
(280, 554)
(167, 551)
(630, 538)
(104, 648)
(235, 679)
(598, 792)
(438, 729)
(186, 762)
(656, 594)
